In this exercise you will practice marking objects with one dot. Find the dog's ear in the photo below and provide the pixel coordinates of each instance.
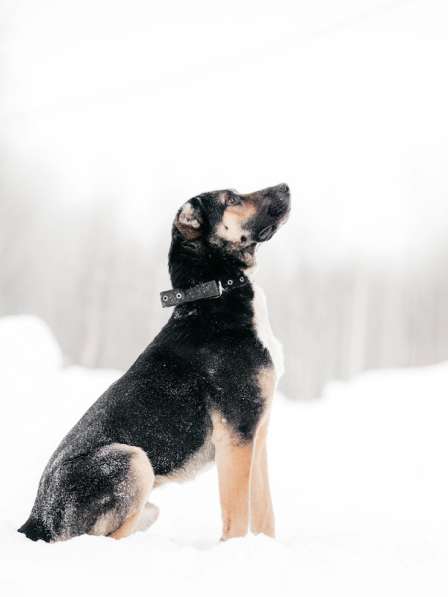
(189, 221)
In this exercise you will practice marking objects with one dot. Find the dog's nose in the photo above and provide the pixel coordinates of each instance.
(283, 188)
(282, 194)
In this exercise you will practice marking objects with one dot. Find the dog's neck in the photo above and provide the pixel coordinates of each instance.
(190, 265)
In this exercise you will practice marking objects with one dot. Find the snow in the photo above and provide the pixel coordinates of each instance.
(28, 345)
(359, 483)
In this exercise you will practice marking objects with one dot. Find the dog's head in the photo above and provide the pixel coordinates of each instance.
(230, 224)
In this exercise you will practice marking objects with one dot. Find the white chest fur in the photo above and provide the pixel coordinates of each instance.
(264, 330)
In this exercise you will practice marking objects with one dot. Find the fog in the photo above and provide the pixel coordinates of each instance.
(113, 114)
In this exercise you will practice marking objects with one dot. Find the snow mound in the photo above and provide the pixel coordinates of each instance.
(28, 345)
(359, 482)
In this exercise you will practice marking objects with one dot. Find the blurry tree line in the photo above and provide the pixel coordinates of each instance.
(98, 289)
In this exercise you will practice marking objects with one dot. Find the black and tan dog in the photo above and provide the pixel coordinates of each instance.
(201, 391)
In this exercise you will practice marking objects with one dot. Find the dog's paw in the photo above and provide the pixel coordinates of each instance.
(149, 515)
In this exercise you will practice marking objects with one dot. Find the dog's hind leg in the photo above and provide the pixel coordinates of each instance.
(130, 512)
(140, 515)
(98, 492)
(148, 516)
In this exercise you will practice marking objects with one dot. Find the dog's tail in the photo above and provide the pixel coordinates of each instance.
(35, 530)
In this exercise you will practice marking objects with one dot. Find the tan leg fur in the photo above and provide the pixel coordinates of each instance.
(143, 476)
(243, 472)
(262, 513)
(234, 461)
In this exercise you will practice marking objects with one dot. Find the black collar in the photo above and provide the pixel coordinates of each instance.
(205, 290)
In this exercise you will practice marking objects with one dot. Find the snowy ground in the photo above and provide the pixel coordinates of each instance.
(359, 482)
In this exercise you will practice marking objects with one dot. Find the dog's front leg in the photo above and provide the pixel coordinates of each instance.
(262, 513)
(234, 460)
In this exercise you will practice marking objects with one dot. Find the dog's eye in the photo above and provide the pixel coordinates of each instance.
(233, 200)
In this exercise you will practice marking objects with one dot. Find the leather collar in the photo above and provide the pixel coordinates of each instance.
(206, 290)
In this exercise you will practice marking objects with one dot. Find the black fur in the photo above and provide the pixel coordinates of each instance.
(35, 530)
(206, 358)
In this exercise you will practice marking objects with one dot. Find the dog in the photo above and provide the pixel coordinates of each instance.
(200, 392)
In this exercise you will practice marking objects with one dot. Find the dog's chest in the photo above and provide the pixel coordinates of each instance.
(264, 331)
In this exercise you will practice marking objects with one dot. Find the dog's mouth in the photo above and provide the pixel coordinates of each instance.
(266, 233)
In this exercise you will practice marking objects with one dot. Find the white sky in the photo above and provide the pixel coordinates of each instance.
(154, 102)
